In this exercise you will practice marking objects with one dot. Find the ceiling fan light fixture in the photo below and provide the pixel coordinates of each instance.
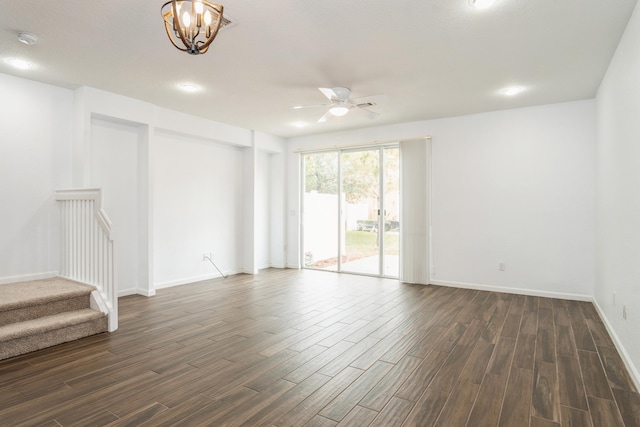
(191, 25)
(339, 110)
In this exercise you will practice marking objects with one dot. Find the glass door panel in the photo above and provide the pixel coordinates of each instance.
(360, 222)
(391, 200)
(320, 235)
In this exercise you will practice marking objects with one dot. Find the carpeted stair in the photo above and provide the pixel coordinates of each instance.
(44, 313)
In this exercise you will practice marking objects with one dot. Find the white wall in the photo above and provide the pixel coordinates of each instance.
(178, 153)
(278, 213)
(618, 195)
(263, 210)
(517, 187)
(271, 203)
(114, 168)
(514, 186)
(36, 132)
(197, 205)
(249, 204)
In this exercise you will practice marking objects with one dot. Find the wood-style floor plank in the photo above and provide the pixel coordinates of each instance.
(516, 406)
(604, 413)
(571, 384)
(486, 410)
(595, 379)
(545, 402)
(575, 417)
(629, 406)
(393, 413)
(311, 348)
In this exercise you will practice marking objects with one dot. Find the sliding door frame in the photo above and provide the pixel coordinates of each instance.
(380, 148)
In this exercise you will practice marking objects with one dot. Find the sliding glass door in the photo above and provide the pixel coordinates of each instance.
(321, 211)
(360, 211)
(351, 211)
(391, 212)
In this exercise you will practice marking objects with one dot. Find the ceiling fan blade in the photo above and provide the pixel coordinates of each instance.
(329, 93)
(374, 99)
(370, 114)
(299, 107)
(326, 117)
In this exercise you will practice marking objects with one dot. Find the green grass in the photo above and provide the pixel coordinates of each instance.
(364, 243)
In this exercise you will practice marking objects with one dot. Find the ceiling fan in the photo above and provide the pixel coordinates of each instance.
(341, 104)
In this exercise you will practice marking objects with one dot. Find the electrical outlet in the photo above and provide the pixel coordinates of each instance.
(624, 312)
(501, 266)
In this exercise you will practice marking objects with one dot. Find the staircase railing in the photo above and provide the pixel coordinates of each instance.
(87, 246)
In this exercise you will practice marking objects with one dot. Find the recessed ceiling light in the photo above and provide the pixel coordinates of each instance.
(20, 64)
(27, 38)
(189, 87)
(512, 90)
(482, 4)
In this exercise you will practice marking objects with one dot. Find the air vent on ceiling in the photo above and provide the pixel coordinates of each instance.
(366, 105)
(227, 21)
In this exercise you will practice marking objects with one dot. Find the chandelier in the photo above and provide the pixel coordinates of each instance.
(191, 25)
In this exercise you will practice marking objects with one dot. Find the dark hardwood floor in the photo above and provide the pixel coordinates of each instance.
(310, 348)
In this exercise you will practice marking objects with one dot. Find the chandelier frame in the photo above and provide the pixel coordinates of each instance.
(195, 35)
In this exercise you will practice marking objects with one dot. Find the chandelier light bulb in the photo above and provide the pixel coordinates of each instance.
(186, 20)
(207, 18)
(199, 7)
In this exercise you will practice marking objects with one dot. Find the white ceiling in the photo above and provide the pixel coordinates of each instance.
(432, 58)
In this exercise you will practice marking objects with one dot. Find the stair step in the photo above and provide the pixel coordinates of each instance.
(29, 300)
(31, 335)
(37, 292)
(47, 323)
(43, 313)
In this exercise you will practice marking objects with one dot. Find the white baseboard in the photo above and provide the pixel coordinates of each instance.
(194, 279)
(27, 277)
(633, 370)
(294, 266)
(280, 266)
(137, 291)
(146, 292)
(520, 291)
